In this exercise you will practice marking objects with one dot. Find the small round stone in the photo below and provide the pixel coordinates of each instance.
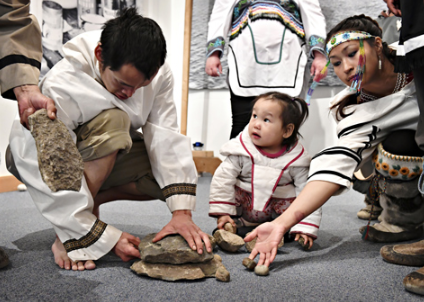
(222, 274)
(261, 270)
(249, 263)
(302, 243)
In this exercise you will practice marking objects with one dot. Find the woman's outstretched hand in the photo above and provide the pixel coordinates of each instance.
(268, 235)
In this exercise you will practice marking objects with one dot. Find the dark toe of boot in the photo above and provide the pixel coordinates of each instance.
(414, 282)
(4, 260)
(411, 258)
(375, 235)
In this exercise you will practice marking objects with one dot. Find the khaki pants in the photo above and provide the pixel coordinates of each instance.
(106, 133)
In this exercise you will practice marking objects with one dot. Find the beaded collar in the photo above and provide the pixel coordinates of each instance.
(401, 81)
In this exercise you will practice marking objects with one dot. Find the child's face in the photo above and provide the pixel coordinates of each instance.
(266, 126)
(345, 59)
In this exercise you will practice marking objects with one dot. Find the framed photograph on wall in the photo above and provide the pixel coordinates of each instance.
(62, 20)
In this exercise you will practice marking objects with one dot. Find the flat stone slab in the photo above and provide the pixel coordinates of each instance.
(172, 249)
(188, 271)
(59, 161)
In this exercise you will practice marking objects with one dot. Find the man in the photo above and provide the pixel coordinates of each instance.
(20, 61)
(108, 85)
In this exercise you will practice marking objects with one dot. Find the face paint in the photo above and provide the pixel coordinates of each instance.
(360, 69)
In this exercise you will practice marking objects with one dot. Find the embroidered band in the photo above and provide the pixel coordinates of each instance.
(345, 36)
(179, 189)
(90, 238)
(215, 45)
(392, 166)
(287, 12)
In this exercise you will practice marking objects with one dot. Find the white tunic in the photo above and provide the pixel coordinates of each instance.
(360, 133)
(267, 42)
(264, 177)
(75, 85)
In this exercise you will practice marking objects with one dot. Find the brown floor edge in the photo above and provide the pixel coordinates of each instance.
(8, 183)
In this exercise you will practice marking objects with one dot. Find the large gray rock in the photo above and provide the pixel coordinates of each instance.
(60, 163)
(228, 241)
(188, 271)
(172, 249)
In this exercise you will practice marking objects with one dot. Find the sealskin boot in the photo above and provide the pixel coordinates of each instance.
(411, 254)
(367, 214)
(414, 282)
(375, 235)
(4, 260)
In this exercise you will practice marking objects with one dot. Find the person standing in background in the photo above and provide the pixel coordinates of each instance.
(20, 62)
(266, 49)
(410, 57)
(20, 59)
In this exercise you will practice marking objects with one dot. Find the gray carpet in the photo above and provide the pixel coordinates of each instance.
(340, 266)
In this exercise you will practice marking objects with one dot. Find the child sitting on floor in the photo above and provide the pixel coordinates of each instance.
(265, 168)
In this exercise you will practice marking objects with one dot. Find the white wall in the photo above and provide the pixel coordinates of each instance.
(209, 111)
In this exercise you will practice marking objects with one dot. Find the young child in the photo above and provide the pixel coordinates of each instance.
(265, 168)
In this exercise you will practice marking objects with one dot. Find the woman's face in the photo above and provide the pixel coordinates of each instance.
(345, 59)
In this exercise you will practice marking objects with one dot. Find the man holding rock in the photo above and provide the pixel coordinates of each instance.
(109, 84)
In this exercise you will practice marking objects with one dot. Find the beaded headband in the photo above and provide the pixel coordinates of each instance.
(345, 36)
(338, 39)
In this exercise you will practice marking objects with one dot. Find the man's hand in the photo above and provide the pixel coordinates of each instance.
(30, 99)
(213, 65)
(394, 7)
(318, 64)
(182, 223)
(268, 235)
(222, 220)
(127, 247)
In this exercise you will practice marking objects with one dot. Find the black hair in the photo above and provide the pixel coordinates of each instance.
(366, 24)
(293, 111)
(133, 39)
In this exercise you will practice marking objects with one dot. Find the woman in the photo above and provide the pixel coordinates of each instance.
(377, 103)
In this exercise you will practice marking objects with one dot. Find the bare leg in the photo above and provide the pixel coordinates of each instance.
(95, 172)
(124, 192)
(127, 192)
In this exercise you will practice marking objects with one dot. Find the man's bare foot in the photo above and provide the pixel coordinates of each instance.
(63, 261)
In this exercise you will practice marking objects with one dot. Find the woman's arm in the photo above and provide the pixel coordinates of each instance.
(269, 234)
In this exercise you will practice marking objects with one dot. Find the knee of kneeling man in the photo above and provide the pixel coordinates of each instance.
(114, 119)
